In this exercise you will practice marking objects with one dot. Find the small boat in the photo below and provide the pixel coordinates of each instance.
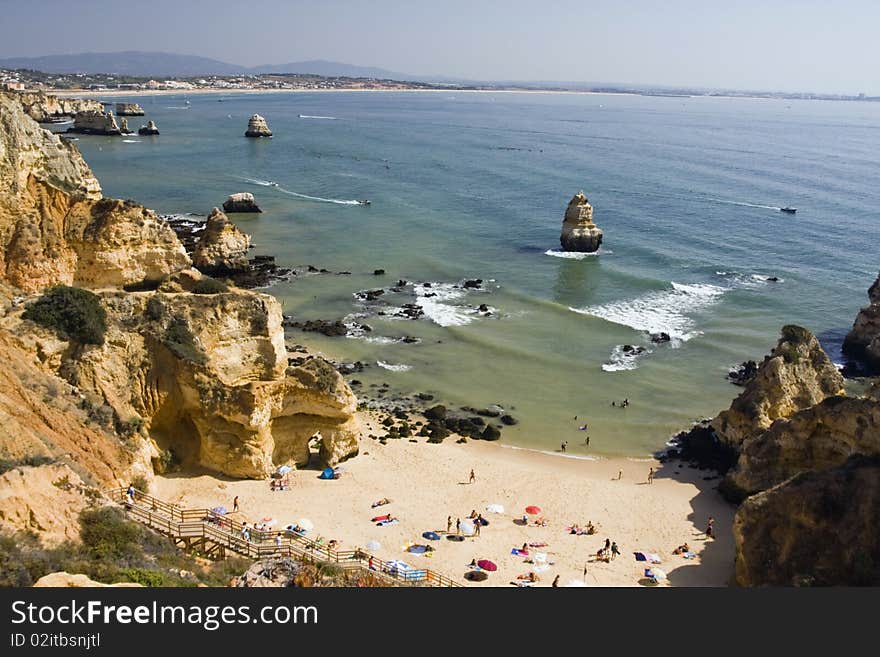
(787, 209)
(364, 202)
(272, 183)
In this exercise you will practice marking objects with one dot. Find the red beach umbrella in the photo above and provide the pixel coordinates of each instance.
(485, 564)
(533, 510)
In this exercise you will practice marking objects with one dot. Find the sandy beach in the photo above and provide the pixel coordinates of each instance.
(426, 483)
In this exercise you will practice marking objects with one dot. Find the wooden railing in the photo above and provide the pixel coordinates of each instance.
(224, 533)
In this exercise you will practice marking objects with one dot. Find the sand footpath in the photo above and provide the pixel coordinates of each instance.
(426, 483)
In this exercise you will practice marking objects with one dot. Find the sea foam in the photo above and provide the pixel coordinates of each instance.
(394, 368)
(668, 311)
(576, 255)
(439, 309)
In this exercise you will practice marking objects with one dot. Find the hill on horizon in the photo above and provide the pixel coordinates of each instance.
(157, 64)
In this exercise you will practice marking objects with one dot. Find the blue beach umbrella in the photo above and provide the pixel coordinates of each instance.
(431, 536)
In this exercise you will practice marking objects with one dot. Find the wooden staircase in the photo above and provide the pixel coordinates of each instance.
(214, 536)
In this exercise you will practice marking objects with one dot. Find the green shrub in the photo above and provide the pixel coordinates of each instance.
(210, 286)
(73, 313)
(34, 461)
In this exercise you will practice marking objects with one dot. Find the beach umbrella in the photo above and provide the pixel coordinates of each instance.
(533, 510)
(418, 549)
(306, 524)
(454, 537)
(467, 528)
(495, 508)
(475, 576)
(431, 536)
(659, 574)
(219, 510)
(374, 545)
(485, 564)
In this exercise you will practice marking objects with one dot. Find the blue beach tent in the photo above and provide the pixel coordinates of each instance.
(328, 474)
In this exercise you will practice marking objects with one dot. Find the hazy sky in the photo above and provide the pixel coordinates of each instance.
(807, 45)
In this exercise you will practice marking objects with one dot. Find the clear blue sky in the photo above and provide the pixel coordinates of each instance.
(808, 45)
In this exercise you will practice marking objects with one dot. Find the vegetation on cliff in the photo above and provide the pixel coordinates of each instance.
(72, 312)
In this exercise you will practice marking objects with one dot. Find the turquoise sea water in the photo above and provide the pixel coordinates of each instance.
(474, 185)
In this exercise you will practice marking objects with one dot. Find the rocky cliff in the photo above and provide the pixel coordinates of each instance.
(796, 375)
(44, 107)
(222, 247)
(806, 460)
(55, 227)
(95, 123)
(819, 528)
(579, 233)
(186, 371)
(129, 109)
(863, 341)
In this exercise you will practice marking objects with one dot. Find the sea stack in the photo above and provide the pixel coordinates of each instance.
(241, 202)
(123, 126)
(129, 109)
(149, 129)
(579, 233)
(257, 127)
(92, 122)
(222, 247)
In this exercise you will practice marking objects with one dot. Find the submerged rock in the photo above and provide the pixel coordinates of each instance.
(257, 127)
(579, 233)
(241, 202)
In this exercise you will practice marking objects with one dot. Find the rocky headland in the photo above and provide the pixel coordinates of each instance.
(121, 359)
(44, 108)
(800, 457)
(579, 233)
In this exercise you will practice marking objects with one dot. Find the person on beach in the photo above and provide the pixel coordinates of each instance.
(562, 447)
(587, 441)
(477, 528)
(370, 563)
(448, 524)
(607, 544)
(473, 478)
(235, 504)
(710, 528)
(615, 551)
(555, 582)
(651, 476)
(458, 525)
(278, 539)
(130, 491)
(473, 514)
(619, 474)
(626, 402)
(681, 549)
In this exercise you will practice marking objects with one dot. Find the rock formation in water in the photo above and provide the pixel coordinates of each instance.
(55, 227)
(129, 109)
(819, 528)
(149, 129)
(241, 202)
(44, 108)
(123, 127)
(257, 127)
(796, 375)
(863, 341)
(579, 233)
(95, 123)
(222, 247)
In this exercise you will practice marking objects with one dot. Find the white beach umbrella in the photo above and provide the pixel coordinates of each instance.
(467, 528)
(374, 545)
(495, 508)
(306, 524)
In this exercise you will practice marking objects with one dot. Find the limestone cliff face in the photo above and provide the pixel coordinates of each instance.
(222, 247)
(56, 228)
(579, 233)
(863, 341)
(817, 528)
(44, 107)
(95, 123)
(208, 376)
(820, 437)
(796, 375)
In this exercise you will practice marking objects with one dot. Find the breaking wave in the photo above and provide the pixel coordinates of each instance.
(576, 255)
(393, 368)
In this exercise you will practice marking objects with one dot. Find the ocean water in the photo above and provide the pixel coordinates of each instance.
(474, 185)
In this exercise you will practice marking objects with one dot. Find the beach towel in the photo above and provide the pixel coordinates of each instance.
(688, 555)
(381, 518)
(519, 553)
